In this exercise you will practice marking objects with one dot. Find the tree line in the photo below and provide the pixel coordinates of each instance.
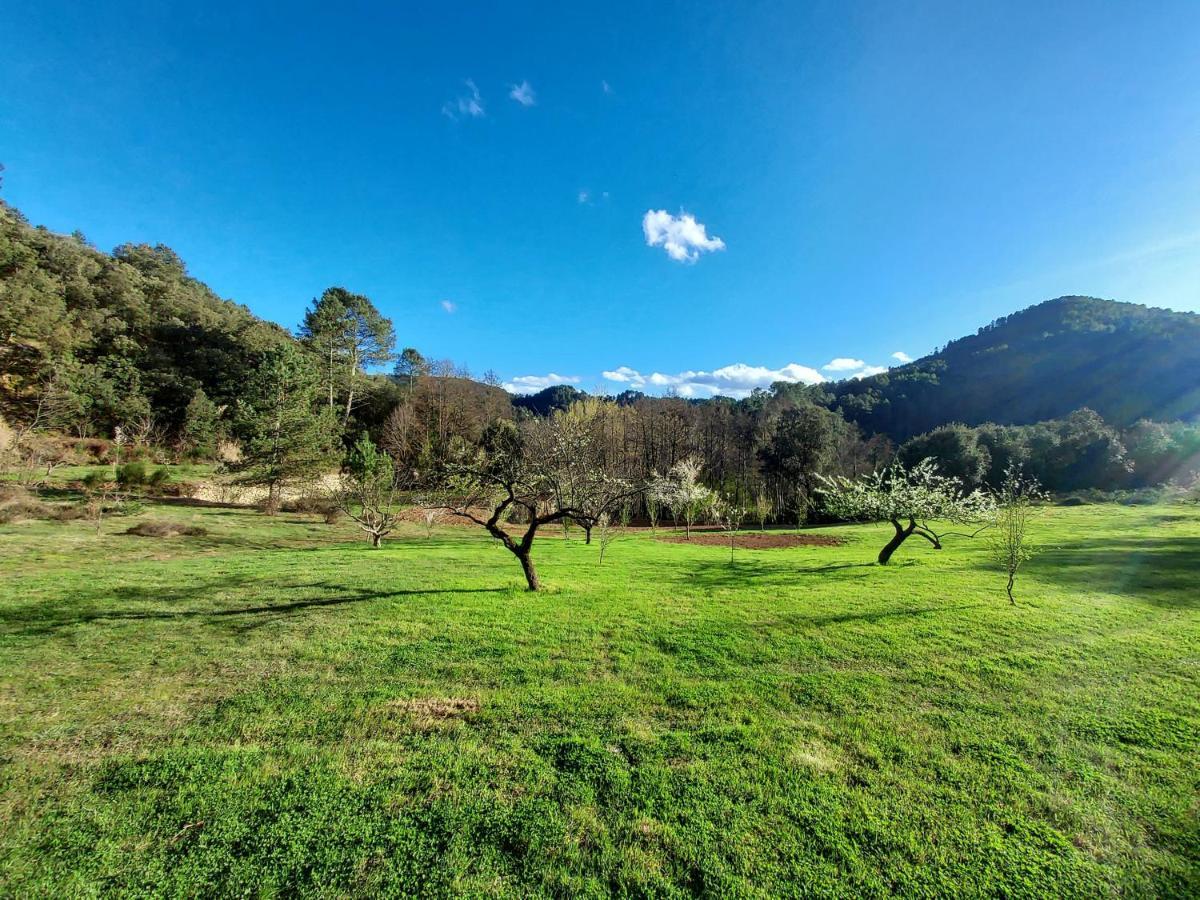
(128, 346)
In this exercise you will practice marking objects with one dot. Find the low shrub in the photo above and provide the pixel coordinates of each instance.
(19, 510)
(308, 503)
(132, 474)
(70, 513)
(10, 492)
(94, 481)
(156, 479)
(166, 529)
(129, 508)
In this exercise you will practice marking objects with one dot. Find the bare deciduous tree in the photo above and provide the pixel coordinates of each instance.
(535, 469)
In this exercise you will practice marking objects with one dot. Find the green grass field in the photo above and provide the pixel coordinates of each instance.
(276, 709)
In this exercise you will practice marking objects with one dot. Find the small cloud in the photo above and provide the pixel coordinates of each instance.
(584, 197)
(868, 371)
(523, 94)
(531, 384)
(737, 380)
(901, 357)
(449, 306)
(843, 364)
(681, 236)
(465, 105)
(606, 87)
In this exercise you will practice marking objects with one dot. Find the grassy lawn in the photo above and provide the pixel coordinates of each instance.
(275, 708)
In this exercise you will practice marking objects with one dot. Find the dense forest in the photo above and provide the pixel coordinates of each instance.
(1125, 361)
(1081, 392)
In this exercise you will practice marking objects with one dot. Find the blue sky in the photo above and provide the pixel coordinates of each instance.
(862, 179)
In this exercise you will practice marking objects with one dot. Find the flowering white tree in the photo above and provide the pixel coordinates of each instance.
(913, 500)
(686, 496)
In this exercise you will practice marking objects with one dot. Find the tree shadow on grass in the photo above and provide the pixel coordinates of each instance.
(1164, 571)
(710, 576)
(49, 617)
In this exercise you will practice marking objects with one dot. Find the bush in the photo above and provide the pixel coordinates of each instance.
(309, 503)
(158, 478)
(10, 491)
(93, 481)
(166, 529)
(132, 474)
(69, 513)
(18, 510)
(129, 508)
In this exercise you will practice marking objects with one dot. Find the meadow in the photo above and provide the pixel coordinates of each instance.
(273, 708)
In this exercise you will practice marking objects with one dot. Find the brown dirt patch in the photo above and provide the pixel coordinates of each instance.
(438, 707)
(756, 540)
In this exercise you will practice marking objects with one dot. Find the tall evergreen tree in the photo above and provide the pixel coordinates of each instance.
(286, 433)
(350, 335)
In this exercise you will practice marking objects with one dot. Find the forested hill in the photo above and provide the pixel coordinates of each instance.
(1124, 360)
(124, 335)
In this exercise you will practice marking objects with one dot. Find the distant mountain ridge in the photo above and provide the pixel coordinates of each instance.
(1123, 360)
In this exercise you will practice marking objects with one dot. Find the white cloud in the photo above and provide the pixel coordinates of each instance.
(584, 196)
(843, 364)
(531, 384)
(449, 306)
(465, 105)
(681, 236)
(901, 357)
(868, 371)
(606, 87)
(523, 93)
(737, 380)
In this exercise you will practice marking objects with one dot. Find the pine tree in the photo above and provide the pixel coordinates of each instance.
(286, 433)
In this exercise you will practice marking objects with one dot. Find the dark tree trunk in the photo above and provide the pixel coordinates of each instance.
(376, 540)
(1011, 577)
(273, 499)
(900, 537)
(531, 576)
(587, 534)
(520, 550)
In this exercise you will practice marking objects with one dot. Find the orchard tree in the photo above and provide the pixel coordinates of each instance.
(588, 478)
(1018, 501)
(369, 490)
(729, 515)
(688, 497)
(285, 434)
(913, 500)
(350, 335)
(529, 470)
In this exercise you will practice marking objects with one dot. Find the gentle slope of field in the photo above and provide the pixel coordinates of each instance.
(275, 708)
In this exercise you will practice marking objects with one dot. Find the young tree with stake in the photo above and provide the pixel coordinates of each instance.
(1017, 503)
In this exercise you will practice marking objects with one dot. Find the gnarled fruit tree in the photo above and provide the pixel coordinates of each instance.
(916, 501)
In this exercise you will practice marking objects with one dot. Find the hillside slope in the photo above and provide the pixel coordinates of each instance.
(1124, 360)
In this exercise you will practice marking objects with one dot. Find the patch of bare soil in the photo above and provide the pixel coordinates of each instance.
(439, 707)
(756, 540)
